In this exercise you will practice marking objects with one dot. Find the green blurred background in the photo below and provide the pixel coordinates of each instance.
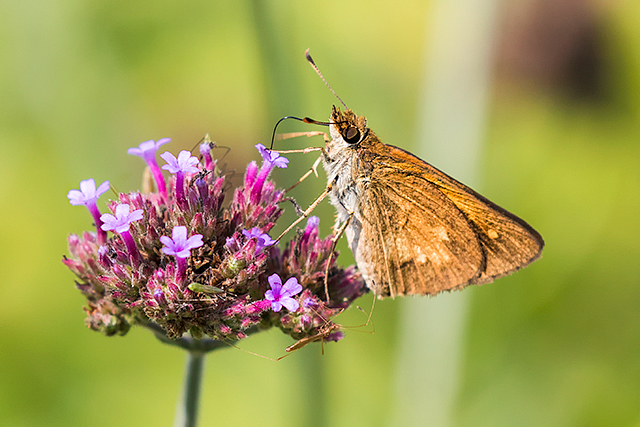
(536, 103)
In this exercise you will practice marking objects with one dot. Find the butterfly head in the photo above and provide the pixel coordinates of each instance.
(347, 129)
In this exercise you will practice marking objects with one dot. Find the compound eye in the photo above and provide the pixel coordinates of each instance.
(352, 135)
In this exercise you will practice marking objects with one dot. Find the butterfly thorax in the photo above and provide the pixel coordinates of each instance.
(347, 169)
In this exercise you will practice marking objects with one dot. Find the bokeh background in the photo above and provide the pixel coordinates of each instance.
(536, 103)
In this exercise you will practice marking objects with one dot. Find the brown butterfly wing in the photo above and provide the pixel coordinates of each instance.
(427, 233)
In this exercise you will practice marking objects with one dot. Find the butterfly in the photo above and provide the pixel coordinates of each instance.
(413, 229)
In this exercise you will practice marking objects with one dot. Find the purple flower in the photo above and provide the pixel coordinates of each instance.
(147, 150)
(185, 162)
(312, 225)
(310, 303)
(272, 157)
(180, 246)
(280, 295)
(205, 151)
(87, 195)
(158, 295)
(121, 221)
(263, 239)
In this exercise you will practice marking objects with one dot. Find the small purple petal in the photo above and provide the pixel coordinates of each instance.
(179, 235)
(166, 240)
(254, 232)
(103, 188)
(276, 283)
(276, 306)
(266, 240)
(290, 303)
(263, 151)
(280, 161)
(195, 241)
(292, 287)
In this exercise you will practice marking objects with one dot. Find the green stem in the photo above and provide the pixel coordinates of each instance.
(197, 349)
(187, 411)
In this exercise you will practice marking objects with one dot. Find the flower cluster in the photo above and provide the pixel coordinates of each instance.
(181, 258)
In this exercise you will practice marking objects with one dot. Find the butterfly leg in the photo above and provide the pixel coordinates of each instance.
(306, 213)
(314, 170)
(337, 235)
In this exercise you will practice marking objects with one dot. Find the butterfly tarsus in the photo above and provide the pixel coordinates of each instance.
(296, 206)
(314, 170)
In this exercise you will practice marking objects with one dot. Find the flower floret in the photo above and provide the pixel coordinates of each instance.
(179, 246)
(121, 220)
(281, 295)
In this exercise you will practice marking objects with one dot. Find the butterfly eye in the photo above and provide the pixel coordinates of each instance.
(352, 135)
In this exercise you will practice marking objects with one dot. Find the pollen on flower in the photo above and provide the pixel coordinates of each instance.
(185, 260)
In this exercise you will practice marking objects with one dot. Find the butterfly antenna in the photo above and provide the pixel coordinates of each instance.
(315, 67)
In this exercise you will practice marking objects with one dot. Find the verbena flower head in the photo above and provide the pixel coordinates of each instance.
(191, 263)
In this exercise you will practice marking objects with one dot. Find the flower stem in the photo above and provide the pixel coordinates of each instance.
(187, 410)
(157, 176)
(182, 271)
(134, 255)
(95, 213)
(179, 191)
